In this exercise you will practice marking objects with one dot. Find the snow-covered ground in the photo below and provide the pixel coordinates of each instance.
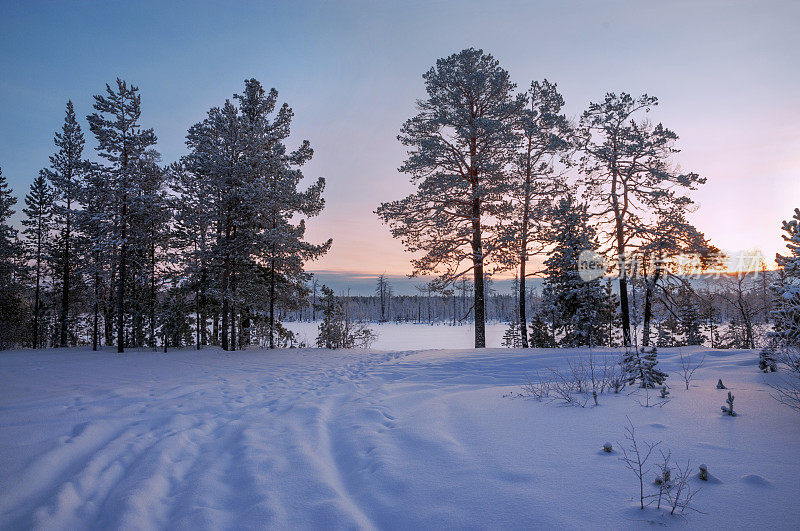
(352, 439)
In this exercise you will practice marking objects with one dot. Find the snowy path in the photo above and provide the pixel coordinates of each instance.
(350, 439)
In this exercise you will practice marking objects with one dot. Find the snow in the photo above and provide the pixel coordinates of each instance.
(412, 336)
(309, 439)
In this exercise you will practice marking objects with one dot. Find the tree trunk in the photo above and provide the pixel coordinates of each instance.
(623, 287)
(272, 304)
(197, 322)
(36, 303)
(66, 272)
(123, 270)
(477, 261)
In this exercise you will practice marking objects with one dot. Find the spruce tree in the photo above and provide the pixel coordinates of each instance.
(331, 330)
(786, 315)
(38, 224)
(281, 245)
(576, 302)
(640, 366)
(690, 322)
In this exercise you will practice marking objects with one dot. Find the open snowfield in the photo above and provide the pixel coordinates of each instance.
(309, 439)
(411, 336)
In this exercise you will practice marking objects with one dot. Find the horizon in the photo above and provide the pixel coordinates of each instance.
(726, 83)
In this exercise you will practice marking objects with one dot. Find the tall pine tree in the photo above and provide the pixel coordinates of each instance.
(65, 174)
(122, 141)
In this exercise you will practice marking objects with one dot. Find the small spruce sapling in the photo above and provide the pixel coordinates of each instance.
(703, 475)
(728, 410)
(720, 385)
(608, 447)
(768, 359)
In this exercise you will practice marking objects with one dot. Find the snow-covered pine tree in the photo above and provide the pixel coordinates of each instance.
(191, 240)
(609, 316)
(666, 331)
(12, 313)
(122, 142)
(65, 174)
(95, 247)
(150, 226)
(711, 322)
(627, 176)
(459, 144)
(217, 155)
(37, 236)
(575, 301)
(786, 315)
(281, 246)
(543, 140)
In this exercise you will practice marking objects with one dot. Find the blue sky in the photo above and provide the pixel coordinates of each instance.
(726, 73)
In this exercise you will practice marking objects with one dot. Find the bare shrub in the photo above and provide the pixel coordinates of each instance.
(673, 481)
(583, 379)
(688, 368)
(788, 390)
(681, 493)
(636, 456)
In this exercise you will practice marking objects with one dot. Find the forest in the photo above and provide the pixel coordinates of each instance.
(117, 247)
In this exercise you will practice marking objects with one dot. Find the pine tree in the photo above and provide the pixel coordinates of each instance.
(544, 138)
(627, 176)
(150, 226)
(65, 174)
(38, 224)
(458, 145)
(121, 142)
(12, 314)
(253, 265)
(95, 245)
(650, 376)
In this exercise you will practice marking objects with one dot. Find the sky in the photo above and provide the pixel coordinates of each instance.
(727, 75)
